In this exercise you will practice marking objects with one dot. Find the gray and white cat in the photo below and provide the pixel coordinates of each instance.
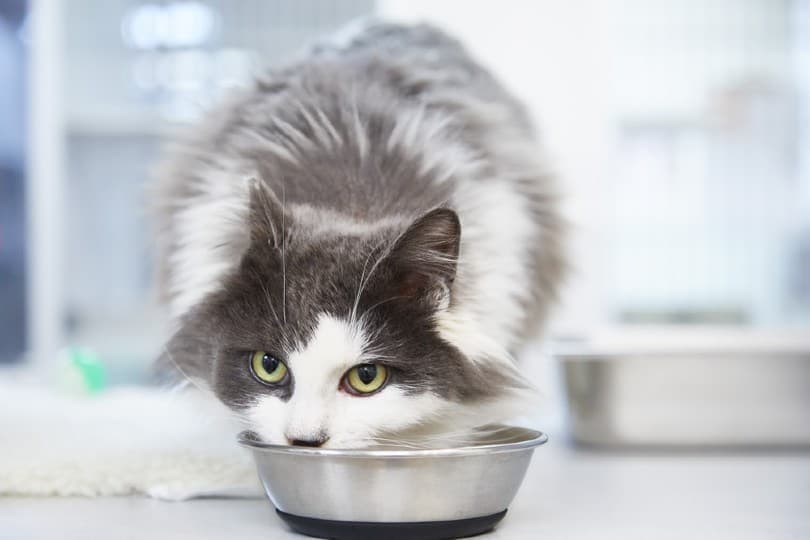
(353, 249)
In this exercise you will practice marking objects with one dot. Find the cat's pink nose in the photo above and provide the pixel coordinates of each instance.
(313, 442)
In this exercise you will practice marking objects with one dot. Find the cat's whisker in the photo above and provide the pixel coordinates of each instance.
(363, 283)
(352, 318)
(182, 371)
(368, 310)
(270, 304)
(283, 252)
(372, 353)
(242, 417)
(373, 356)
(396, 443)
(450, 438)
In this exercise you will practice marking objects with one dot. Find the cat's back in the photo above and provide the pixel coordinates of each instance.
(379, 125)
(341, 129)
(381, 118)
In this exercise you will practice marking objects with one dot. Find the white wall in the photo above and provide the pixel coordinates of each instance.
(552, 55)
(669, 124)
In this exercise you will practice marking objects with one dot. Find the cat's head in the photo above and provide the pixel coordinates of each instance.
(341, 334)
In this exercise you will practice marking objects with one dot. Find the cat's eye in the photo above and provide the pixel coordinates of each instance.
(267, 368)
(365, 379)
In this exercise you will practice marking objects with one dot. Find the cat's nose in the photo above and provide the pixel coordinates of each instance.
(311, 442)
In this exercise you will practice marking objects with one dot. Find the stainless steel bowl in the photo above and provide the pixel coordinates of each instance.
(365, 493)
(693, 399)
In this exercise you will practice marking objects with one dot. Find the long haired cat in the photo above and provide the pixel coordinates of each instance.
(353, 248)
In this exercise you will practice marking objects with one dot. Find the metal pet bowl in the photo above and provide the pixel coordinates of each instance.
(395, 494)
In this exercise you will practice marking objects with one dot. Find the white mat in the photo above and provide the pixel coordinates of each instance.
(170, 445)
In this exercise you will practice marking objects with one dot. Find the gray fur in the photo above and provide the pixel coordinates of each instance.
(320, 139)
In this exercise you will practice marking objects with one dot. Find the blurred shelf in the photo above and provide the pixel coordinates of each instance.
(130, 125)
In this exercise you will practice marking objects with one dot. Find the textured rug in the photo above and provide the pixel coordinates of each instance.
(166, 444)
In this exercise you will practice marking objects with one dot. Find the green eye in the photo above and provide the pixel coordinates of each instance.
(267, 368)
(365, 379)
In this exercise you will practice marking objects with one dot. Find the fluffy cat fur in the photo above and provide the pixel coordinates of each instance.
(381, 200)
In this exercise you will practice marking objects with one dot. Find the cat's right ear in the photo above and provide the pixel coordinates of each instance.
(266, 216)
(423, 259)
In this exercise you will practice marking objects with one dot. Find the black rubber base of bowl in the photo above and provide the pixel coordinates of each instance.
(361, 530)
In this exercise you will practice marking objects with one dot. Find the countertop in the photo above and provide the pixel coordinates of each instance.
(568, 494)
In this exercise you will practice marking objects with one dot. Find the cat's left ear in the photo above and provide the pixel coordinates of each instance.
(424, 258)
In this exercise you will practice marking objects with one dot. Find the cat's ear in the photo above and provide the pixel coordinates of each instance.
(266, 215)
(424, 258)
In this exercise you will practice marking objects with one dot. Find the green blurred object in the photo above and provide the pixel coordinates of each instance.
(90, 368)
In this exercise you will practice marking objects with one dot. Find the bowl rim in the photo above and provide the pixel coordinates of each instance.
(534, 439)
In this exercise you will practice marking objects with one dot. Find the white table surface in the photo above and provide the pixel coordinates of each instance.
(568, 494)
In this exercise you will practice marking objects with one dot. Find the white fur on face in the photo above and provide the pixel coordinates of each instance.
(319, 407)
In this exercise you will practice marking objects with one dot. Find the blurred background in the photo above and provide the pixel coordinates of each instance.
(680, 131)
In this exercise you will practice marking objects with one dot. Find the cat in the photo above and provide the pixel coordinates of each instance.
(353, 248)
